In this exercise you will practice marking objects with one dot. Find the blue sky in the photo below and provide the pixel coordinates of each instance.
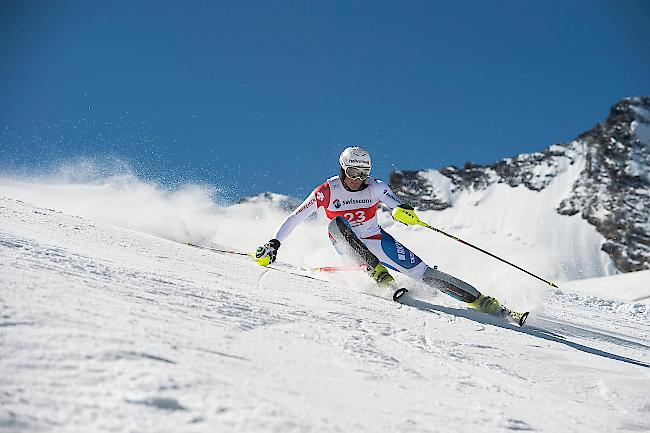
(256, 96)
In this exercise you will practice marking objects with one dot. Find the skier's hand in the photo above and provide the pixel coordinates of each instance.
(267, 253)
(406, 215)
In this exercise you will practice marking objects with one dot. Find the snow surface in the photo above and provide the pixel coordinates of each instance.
(641, 126)
(104, 327)
(637, 164)
(633, 286)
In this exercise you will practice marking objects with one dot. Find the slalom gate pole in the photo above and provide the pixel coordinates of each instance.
(339, 268)
(423, 224)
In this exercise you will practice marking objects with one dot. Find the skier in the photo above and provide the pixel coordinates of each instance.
(352, 198)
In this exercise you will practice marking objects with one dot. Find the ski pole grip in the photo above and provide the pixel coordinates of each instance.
(406, 216)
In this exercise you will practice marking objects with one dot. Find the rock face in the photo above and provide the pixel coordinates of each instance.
(612, 192)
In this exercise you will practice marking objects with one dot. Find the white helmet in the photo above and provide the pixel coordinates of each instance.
(355, 162)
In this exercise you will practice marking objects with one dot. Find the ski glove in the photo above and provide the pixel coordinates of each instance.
(267, 253)
(406, 215)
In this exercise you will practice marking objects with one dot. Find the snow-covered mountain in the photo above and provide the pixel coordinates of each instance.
(104, 328)
(605, 173)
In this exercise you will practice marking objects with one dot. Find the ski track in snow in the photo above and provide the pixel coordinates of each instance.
(107, 329)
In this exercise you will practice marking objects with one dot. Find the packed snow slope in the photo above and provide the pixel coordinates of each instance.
(107, 328)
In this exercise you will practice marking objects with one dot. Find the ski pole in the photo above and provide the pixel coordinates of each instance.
(316, 269)
(220, 250)
(414, 219)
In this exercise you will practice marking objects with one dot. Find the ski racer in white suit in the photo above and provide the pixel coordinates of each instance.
(355, 196)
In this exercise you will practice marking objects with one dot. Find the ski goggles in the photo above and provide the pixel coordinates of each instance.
(357, 173)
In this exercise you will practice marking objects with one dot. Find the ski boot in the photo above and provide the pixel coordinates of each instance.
(385, 280)
(486, 304)
(381, 276)
(489, 305)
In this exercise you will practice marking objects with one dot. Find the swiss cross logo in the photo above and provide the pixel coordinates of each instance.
(320, 196)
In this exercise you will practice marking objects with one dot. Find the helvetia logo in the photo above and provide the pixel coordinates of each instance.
(401, 254)
(337, 203)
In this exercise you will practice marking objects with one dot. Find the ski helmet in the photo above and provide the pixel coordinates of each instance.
(355, 162)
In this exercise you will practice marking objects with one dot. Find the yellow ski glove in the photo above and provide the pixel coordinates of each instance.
(406, 215)
(267, 253)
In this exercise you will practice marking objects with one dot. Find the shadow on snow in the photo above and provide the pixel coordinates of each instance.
(530, 330)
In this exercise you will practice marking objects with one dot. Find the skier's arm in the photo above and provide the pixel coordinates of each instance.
(303, 211)
(401, 212)
(385, 194)
(268, 252)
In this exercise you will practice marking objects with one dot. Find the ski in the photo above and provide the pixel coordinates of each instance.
(365, 260)
(512, 316)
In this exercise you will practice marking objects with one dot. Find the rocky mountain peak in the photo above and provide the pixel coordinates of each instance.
(612, 191)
